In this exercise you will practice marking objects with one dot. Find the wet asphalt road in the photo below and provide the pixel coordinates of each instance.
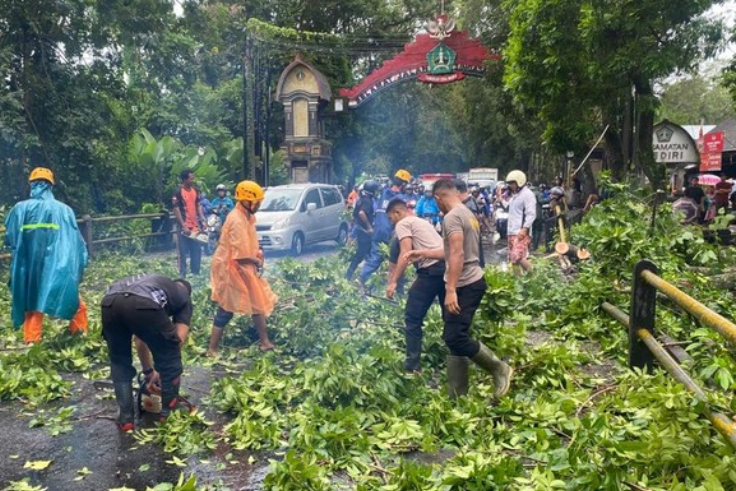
(311, 253)
(94, 455)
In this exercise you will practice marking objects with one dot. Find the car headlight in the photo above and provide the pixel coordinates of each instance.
(283, 223)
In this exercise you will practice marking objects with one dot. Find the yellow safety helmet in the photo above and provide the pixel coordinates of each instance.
(248, 191)
(41, 173)
(404, 175)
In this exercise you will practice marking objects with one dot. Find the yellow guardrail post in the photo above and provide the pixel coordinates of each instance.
(725, 425)
(706, 316)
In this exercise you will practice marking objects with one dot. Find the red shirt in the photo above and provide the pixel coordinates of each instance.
(722, 198)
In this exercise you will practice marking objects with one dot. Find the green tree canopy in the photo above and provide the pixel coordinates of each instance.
(695, 99)
(580, 65)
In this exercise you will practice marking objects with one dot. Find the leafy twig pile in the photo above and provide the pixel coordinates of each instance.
(332, 408)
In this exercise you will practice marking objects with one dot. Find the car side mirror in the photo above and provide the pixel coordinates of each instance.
(311, 207)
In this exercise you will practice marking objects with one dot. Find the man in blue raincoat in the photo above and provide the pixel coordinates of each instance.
(48, 258)
(383, 229)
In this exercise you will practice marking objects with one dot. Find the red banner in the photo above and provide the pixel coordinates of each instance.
(711, 152)
(713, 142)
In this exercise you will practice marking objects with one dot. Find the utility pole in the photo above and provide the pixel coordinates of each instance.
(266, 131)
(246, 147)
(249, 168)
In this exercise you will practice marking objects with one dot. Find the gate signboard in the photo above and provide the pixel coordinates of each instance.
(440, 56)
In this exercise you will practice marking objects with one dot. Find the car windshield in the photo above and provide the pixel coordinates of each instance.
(281, 199)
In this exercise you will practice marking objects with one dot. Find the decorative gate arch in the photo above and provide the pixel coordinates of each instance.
(440, 56)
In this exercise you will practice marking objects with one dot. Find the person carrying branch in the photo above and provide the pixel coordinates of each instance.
(414, 233)
(464, 290)
(48, 260)
(237, 286)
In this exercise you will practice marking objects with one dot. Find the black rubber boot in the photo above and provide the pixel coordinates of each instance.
(457, 376)
(124, 396)
(501, 372)
(412, 363)
(169, 397)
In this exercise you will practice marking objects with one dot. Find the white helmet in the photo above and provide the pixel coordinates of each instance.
(221, 187)
(557, 191)
(517, 176)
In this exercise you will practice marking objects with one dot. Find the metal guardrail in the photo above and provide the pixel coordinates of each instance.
(87, 222)
(644, 349)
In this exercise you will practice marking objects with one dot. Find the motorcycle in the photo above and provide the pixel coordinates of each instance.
(502, 219)
(213, 229)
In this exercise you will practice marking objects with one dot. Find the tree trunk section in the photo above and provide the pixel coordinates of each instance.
(646, 112)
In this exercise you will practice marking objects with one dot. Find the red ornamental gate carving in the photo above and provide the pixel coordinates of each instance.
(440, 56)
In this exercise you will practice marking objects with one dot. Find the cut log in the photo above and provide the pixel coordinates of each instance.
(572, 251)
(583, 254)
(562, 248)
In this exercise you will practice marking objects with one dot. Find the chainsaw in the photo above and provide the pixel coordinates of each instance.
(147, 400)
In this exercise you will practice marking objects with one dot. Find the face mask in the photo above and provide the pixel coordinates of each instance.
(38, 188)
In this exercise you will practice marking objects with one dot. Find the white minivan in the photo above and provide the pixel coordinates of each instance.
(296, 215)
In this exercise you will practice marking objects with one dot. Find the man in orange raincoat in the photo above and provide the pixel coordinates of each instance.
(237, 287)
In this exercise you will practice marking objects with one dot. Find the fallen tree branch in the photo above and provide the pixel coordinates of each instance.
(592, 397)
(636, 487)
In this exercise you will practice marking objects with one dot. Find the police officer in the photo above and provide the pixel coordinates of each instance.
(363, 219)
(414, 233)
(157, 310)
(383, 228)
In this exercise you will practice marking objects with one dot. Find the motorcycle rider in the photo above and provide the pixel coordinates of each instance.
(222, 204)
(410, 197)
(427, 208)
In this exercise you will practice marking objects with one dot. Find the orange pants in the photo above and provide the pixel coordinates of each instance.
(33, 324)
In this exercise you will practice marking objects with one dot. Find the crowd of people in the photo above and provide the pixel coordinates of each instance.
(437, 229)
(701, 203)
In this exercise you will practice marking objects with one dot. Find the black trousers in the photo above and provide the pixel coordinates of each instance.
(364, 248)
(428, 286)
(537, 228)
(125, 315)
(457, 326)
(222, 317)
(193, 249)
